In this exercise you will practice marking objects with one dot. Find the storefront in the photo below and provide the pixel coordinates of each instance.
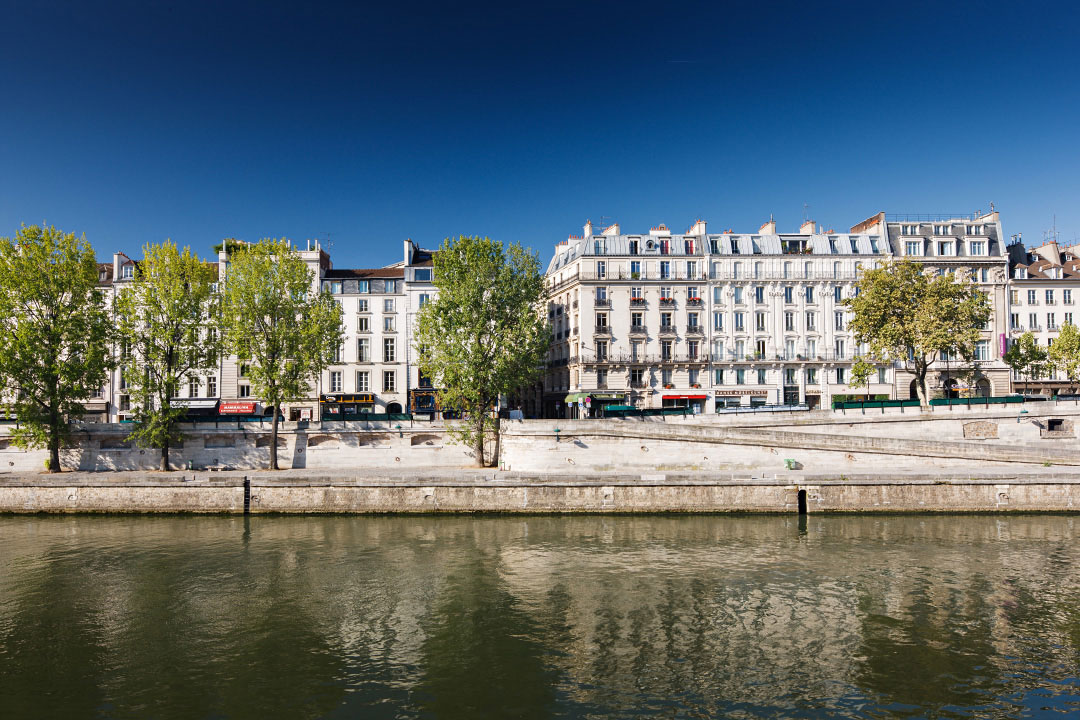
(197, 408)
(96, 411)
(591, 404)
(240, 409)
(423, 401)
(736, 397)
(695, 403)
(346, 407)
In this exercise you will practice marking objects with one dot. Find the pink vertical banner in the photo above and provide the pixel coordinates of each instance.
(1004, 345)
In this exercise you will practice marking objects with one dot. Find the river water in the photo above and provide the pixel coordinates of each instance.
(535, 617)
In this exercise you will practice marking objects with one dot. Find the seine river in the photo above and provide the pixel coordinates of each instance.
(535, 617)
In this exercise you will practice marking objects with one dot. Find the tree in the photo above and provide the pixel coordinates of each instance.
(906, 317)
(165, 323)
(273, 319)
(485, 333)
(1064, 354)
(54, 333)
(1026, 358)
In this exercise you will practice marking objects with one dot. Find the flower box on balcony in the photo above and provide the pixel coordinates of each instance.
(668, 386)
(696, 386)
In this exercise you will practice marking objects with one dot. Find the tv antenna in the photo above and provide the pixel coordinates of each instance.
(805, 212)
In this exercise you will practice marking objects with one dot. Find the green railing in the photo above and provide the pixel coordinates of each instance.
(873, 404)
(996, 400)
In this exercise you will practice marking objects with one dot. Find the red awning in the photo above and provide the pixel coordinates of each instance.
(686, 397)
(236, 408)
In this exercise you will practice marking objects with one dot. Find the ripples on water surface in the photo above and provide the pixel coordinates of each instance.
(463, 617)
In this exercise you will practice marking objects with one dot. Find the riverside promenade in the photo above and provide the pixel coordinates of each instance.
(439, 490)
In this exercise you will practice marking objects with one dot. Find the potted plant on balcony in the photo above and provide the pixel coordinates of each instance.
(668, 386)
(696, 386)
(635, 276)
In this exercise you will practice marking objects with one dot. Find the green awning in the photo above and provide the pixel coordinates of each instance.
(606, 396)
(575, 397)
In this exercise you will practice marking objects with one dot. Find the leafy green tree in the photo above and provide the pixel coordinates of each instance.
(273, 320)
(54, 333)
(485, 333)
(1026, 358)
(165, 322)
(861, 372)
(909, 318)
(1064, 354)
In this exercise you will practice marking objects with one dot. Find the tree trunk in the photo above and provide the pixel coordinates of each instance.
(54, 440)
(273, 439)
(478, 441)
(498, 439)
(920, 386)
(164, 466)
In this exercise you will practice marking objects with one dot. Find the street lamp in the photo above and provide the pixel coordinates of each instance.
(557, 431)
(1022, 414)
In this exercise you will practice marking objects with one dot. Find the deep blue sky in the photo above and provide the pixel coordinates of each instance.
(136, 121)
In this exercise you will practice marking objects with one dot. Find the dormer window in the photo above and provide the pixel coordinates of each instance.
(854, 246)
(1020, 273)
(714, 246)
(127, 272)
(688, 246)
(946, 248)
(975, 229)
(873, 245)
(978, 247)
(101, 276)
(634, 247)
(734, 246)
(909, 229)
(832, 244)
(599, 247)
(941, 229)
(665, 246)
(913, 247)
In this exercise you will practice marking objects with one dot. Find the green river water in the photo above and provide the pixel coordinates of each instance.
(536, 617)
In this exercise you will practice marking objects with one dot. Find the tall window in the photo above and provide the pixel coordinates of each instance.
(1049, 297)
(759, 321)
(335, 381)
(739, 317)
(718, 321)
(738, 295)
(601, 350)
(759, 348)
(789, 320)
(193, 387)
(718, 376)
(389, 350)
(788, 294)
(363, 350)
(388, 305)
(692, 321)
(363, 381)
(811, 320)
(211, 387)
(665, 320)
(665, 269)
(1031, 297)
(740, 376)
(692, 349)
(759, 294)
(601, 378)
(838, 320)
(665, 349)
(389, 381)
(601, 269)
(363, 324)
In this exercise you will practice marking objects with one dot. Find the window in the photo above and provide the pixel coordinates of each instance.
(984, 275)
(788, 294)
(740, 376)
(127, 272)
(1020, 273)
(811, 321)
(389, 381)
(693, 348)
(854, 246)
(193, 387)
(718, 321)
(946, 248)
(693, 293)
(601, 269)
(811, 347)
(718, 376)
(389, 350)
(665, 349)
(688, 246)
(837, 293)
(692, 321)
(1031, 297)
(422, 275)
(362, 286)
(601, 377)
(363, 324)
(736, 269)
(1033, 321)
(759, 294)
(691, 270)
(1066, 297)
(335, 381)
(211, 387)
(665, 378)
(838, 320)
(975, 229)
(601, 322)
(809, 293)
(978, 247)
(636, 352)
(637, 319)
(666, 293)
(637, 378)
(789, 320)
(789, 376)
(1014, 320)
(665, 246)
(739, 317)
(881, 376)
(389, 323)
(1049, 297)
(759, 269)
(665, 269)
(941, 229)
(363, 381)
(635, 269)
(424, 299)
(362, 306)
(982, 350)
(243, 370)
(761, 376)
(601, 350)
(738, 295)
(811, 376)
(839, 348)
(339, 352)
(913, 247)
(1051, 321)
(909, 229)
(636, 293)
(388, 305)
(739, 348)
(759, 348)
(391, 286)
(634, 247)
(1068, 318)
(759, 321)
(363, 350)
(243, 391)
(787, 269)
(665, 320)
(841, 376)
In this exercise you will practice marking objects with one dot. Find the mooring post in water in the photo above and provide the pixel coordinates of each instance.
(247, 495)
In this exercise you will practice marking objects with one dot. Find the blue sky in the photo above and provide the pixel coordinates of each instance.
(132, 122)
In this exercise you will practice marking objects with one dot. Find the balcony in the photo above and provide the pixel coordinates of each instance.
(694, 302)
(637, 302)
(602, 303)
(638, 330)
(667, 330)
(667, 302)
(695, 330)
(602, 330)
(639, 385)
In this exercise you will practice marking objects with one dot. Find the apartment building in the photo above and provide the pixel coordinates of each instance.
(709, 321)
(1044, 291)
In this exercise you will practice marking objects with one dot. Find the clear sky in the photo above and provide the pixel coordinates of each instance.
(368, 123)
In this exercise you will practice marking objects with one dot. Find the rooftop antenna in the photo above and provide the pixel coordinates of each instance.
(805, 212)
(1052, 234)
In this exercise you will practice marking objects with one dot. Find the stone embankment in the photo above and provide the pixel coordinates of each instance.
(436, 491)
